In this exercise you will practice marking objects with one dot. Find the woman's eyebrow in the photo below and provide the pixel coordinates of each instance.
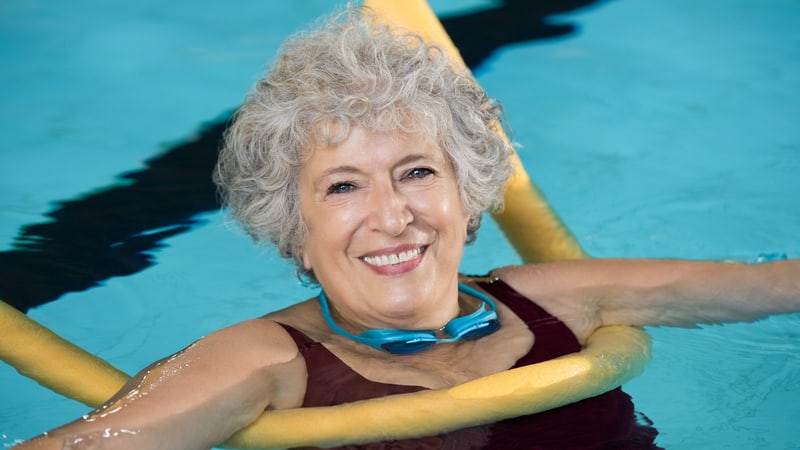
(415, 157)
(338, 170)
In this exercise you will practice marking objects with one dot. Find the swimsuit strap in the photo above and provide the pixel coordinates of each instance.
(302, 341)
(552, 337)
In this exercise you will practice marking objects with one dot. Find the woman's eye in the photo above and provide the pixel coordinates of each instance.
(340, 188)
(419, 172)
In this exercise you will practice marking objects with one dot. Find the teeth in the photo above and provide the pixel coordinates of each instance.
(385, 260)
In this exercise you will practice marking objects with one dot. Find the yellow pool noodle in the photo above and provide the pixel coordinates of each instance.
(612, 356)
(53, 362)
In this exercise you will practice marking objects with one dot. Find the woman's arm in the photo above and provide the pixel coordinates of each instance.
(589, 293)
(196, 398)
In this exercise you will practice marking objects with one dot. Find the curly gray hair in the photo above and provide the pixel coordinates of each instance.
(353, 71)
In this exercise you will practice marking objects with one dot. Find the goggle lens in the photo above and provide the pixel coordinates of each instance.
(408, 347)
(417, 345)
(485, 330)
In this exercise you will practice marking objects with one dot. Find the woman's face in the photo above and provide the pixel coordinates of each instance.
(386, 229)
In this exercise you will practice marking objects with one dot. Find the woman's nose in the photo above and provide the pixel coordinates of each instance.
(390, 211)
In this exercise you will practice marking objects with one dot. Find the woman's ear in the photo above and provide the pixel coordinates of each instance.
(301, 254)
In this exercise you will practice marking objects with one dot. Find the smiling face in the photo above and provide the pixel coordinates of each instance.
(386, 229)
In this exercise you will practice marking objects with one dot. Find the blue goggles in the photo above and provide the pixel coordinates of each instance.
(480, 323)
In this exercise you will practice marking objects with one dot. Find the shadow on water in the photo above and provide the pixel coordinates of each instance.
(114, 230)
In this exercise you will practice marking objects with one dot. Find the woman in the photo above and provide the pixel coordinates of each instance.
(368, 159)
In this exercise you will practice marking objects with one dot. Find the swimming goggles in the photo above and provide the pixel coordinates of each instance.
(480, 323)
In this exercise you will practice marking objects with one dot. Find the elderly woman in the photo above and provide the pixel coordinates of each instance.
(367, 158)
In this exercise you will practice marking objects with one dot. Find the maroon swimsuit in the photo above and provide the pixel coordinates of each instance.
(607, 421)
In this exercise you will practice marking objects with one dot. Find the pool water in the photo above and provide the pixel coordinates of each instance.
(656, 129)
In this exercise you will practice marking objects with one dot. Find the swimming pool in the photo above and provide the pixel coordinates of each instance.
(655, 130)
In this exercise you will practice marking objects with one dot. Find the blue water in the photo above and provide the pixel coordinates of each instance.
(658, 129)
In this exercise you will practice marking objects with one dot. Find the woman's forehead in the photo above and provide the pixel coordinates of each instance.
(332, 135)
(398, 120)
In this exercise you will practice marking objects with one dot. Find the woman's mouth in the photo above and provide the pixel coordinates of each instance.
(394, 258)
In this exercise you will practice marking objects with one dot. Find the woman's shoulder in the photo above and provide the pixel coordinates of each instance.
(265, 336)
(260, 346)
(260, 340)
